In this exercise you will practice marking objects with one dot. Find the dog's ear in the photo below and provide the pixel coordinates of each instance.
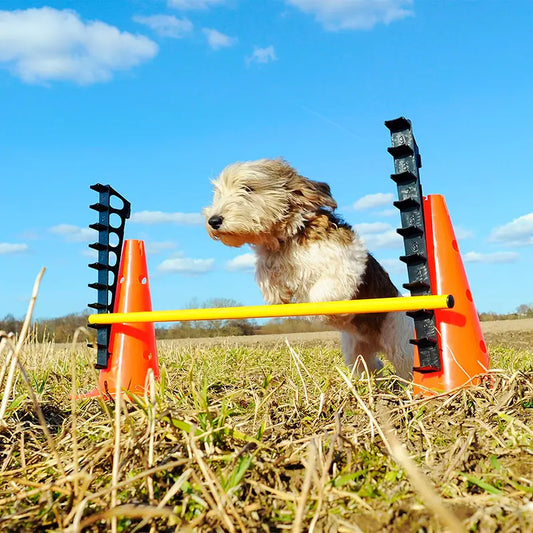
(312, 195)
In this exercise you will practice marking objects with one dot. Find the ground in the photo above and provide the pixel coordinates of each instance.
(261, 434)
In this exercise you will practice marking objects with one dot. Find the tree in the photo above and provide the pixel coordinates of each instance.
(525, 310)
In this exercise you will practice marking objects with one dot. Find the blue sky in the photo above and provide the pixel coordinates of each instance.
(155, 97)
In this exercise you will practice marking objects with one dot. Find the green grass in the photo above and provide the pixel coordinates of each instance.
(265, 438)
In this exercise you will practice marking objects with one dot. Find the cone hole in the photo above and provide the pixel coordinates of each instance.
(455, 246)
(147, 355)
(122, 280)
(143, 280)
(469, 295)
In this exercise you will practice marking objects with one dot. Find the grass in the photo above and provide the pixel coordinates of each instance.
(263, 438)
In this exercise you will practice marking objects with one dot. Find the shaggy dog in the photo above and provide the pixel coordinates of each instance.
(306, 253)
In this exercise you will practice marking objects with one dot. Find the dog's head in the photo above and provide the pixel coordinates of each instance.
(262, 202)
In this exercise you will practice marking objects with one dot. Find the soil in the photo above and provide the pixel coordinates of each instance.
(511, 333)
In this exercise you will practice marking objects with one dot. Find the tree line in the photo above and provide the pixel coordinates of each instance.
(62, 329)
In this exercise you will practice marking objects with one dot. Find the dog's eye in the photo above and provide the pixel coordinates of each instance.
(247, 188)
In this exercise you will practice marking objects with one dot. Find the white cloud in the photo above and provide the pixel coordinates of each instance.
(74, 233)
(166, 25)
(217, 40)
(354, 14)
(186, 265)
(387, 239)
(519, 232)
(158, 247)
(159, 217)
(44, 44)
(11, 248)
(194, 4)
(372, 227)
(379, 235)
(462, 233)
(394, 266)
(242, 262)
(370, 201)
(262, 55)
(495, 257)
(91, 253)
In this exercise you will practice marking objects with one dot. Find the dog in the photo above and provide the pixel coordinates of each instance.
(306, 253)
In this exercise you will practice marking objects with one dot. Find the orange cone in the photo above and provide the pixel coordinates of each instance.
(463, 351)
(132, 347)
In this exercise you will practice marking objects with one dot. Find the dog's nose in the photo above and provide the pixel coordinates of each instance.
(215, 221)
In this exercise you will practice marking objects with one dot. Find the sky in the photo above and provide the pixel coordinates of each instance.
(156, 97)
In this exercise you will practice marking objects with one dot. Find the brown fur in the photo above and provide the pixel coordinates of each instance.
(376, 284)
(326, 226)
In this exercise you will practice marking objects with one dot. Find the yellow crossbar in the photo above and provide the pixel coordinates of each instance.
(376, 305)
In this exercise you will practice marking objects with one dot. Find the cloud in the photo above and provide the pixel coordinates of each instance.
(158, 247)
(495, 257)
(387, 239)
(186, 265)
(193, 4)
(11, 248)
(159, 217)
(394, 266)
(91, 253)
(217, 40)
(519, 232)
(337, 15)
(372, 227)
(45, 44)
(461, 233)
(74, 233)
(262, 55)
(379, 235)
(370, 201)
(166, 25)
(242, 262)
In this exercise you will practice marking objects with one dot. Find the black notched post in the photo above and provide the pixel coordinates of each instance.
(108, 262)
(407, 163)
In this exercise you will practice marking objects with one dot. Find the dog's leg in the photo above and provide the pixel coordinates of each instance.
(354, 349)
(327, 289)
(397, 330)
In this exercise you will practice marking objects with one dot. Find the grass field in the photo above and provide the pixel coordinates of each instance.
(266, 436)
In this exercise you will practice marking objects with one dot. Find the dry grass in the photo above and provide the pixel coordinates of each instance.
(265, 439)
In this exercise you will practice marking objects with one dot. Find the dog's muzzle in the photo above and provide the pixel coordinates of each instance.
(215, 221)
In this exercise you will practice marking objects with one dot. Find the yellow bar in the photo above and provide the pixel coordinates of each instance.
(376, 305)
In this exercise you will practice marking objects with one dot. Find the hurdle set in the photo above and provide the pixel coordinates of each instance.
(450, 351)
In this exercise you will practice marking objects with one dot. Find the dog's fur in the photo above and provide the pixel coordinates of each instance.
(306, 253)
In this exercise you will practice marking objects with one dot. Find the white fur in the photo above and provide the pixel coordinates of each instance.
(318, 272)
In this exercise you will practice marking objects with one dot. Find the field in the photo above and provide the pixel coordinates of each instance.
(266, 434)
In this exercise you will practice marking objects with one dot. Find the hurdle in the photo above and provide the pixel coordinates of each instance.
(351, 307)
(450, 351)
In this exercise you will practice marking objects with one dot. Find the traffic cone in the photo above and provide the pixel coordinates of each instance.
(463, 350)
(132, 347)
